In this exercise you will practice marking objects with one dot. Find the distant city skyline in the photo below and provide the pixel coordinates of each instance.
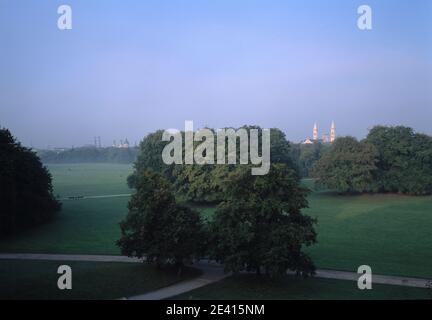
(128, 68)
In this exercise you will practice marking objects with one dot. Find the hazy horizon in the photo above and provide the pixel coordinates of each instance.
(128, 68)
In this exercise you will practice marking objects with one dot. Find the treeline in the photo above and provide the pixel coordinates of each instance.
(390, 159)
(89, 154)
(26, 194)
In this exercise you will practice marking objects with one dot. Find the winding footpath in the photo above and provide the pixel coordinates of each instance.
(211, 272)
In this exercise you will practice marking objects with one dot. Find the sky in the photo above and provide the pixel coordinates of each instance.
(127, 68)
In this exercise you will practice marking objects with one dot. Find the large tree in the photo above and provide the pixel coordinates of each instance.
(348, 167)
(26, 194)
(156, 227)
(404, 160)
(201, 183)
(259, 226)
(150, 158)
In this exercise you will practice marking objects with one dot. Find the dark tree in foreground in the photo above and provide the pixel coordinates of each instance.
(259, 226)
(156, 227)
(26, 197)
(348, 167)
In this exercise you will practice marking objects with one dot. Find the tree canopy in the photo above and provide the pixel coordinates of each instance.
(390, 159)
(349, 166)
(201, 183)
(404, 160)
(306, 155)
(259, 224)
(156, 227)
(26, 194)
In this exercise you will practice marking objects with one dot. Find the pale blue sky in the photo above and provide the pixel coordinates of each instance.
(130, 67)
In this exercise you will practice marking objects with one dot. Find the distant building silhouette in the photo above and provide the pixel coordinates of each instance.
(123, 144)
(325, 137)
(333, 132)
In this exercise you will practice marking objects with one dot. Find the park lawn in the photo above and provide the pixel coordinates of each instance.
(251, 287)
(390, 233)
(86, 226)
(25, 279)
(90, 179)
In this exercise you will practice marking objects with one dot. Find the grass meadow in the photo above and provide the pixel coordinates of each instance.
(88, 226)
(251, 287)
(91, 280)
(391, 233)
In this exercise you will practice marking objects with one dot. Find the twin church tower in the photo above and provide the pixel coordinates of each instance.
(325, 137)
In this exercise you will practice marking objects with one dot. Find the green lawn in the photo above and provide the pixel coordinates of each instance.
(88, 226)
(22, 279)
(249, 287)
(391, 233)
(90, 179)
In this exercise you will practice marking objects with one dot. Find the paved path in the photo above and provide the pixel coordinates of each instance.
(71, 198)
(212, 272)
(376, 278)
(67, 257)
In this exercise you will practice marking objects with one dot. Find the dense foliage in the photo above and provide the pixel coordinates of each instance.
(26, 197)
(259, 225)
(89, 155)
(150, 158)
(390, 159)
(404, 160)
(156, 227)
(349, 166)
(306, 155)
(200, 183)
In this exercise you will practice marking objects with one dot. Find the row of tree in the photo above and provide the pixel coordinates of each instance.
(26, 195)
(390, 159)
(89, 154)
